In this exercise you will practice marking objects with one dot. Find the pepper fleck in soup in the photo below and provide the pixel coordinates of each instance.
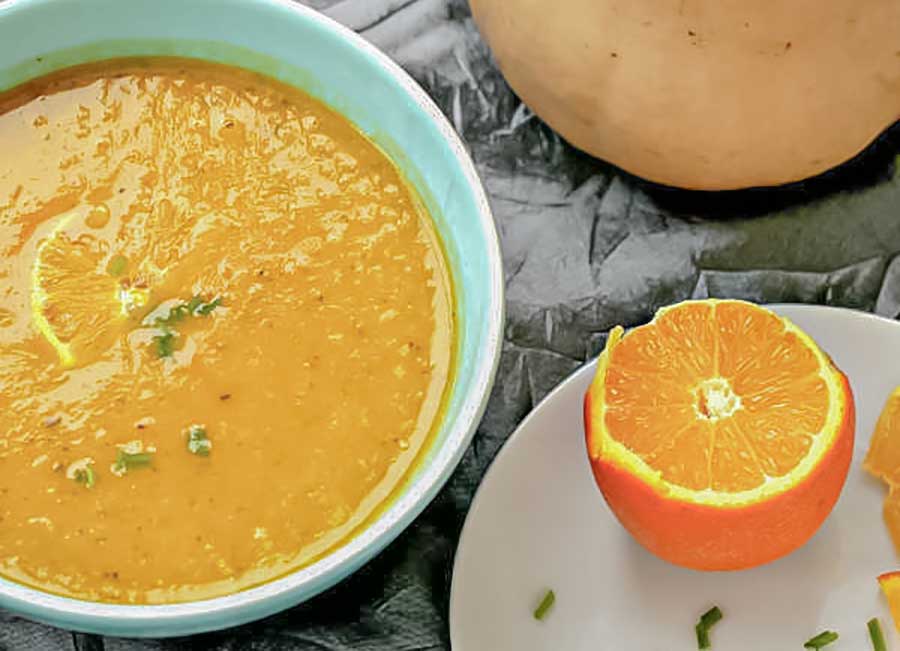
(226, 330)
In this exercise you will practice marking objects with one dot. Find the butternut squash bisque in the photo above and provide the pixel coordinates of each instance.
(226, 330)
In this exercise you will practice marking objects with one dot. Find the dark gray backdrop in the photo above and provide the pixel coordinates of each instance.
(585, 247)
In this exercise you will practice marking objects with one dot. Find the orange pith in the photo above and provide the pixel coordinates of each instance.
(714, 418)
(883, 461)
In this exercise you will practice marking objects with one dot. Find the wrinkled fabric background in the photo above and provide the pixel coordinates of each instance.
(585, 247)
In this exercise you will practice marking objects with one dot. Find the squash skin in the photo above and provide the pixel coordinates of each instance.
(705, 94)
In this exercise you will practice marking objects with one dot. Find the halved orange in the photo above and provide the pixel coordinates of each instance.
(720, 434)
(883, 461)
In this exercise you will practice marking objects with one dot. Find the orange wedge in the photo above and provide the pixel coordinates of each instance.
(883, 457)
(720, 434)
(883, 461)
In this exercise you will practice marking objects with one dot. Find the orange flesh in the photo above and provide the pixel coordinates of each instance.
(890, 586)
(739, 398)
(883, 461)
(891, 513)
(319, 378)
(883, 458)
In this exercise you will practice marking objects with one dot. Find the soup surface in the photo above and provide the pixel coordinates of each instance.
(225, 330)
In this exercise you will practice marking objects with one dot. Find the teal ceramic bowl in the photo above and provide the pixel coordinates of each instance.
(302, 48)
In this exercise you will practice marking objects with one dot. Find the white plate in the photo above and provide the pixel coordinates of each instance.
(539, 521)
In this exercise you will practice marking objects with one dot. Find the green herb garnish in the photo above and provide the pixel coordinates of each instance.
(707, 621)
(165, 344)
(126, 461)
(822, 639)
(198, 442)
(176, 315)
(877, 636)
(179, 313)
(204, 309)
(702, 636)
(194, 303)
(117, 265)
(85, 476)
(546, 604)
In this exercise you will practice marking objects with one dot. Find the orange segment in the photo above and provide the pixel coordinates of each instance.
(883, 458)
(684, 460)
(777, 405)
(718, 404)
(758, 353)
(736, 463)
(744, 341)
(688, 341)
(890, 586)
(778, 447)
(891, 512)
(639, 425)
(883, 461)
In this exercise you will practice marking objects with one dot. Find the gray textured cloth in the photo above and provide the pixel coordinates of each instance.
(585, 247)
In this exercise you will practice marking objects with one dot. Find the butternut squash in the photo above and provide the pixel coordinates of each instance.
(705, 94)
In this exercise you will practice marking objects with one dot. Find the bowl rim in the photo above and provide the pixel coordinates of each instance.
(165, 620)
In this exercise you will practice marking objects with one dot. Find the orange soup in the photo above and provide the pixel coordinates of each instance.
(225, 330)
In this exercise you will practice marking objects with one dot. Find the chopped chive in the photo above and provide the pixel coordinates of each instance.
(117, 265)
(176, 314)
(194, 307)
(194, 303)
(179, 313)
(707, 620)
(702, 636)
(126, 461)
(546, 604)
(822, 639)
(711, 616)
(877, 636)
(198, 442)
(165, 344)
(85, 476)
(206, 308)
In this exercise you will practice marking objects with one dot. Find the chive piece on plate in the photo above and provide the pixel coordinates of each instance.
(707, 621)
(546, 604)
(85, 476)
(702, 636)
(877, 636)
(198, 442)
(822, 639)
(711, 616)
